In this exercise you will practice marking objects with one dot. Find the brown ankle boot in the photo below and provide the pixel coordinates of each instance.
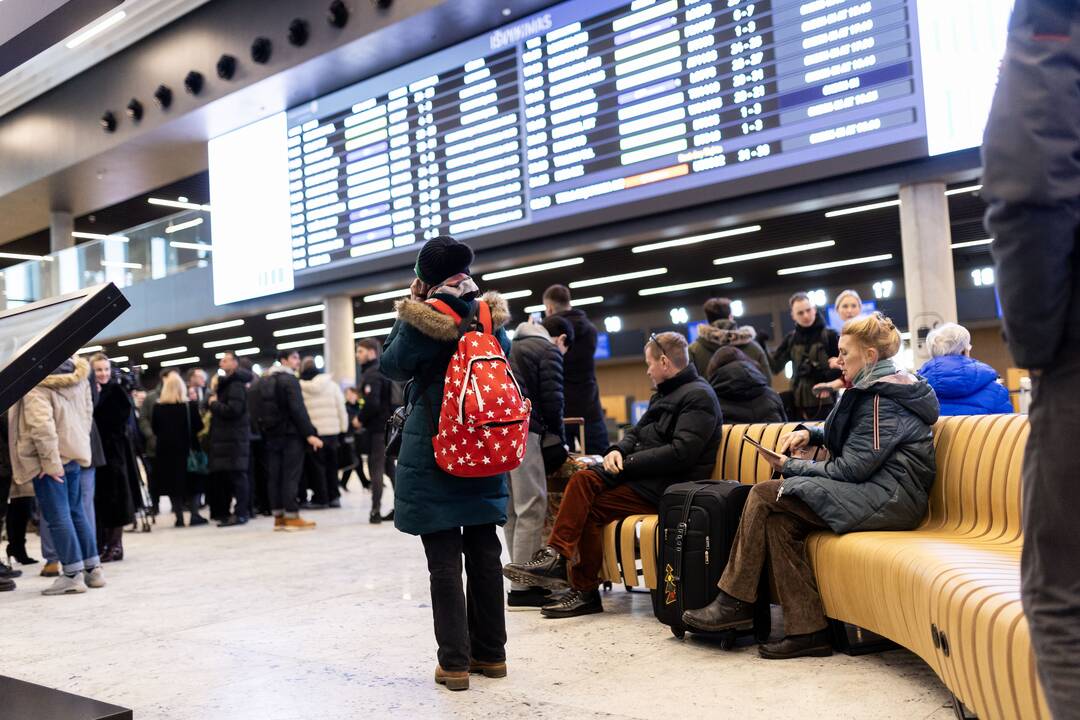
(452, 679)
(488, 669)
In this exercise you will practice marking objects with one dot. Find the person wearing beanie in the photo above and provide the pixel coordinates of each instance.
(721, 329)
(452, 515)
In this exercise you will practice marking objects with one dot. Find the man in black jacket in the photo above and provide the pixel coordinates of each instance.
(1032, 185)
(230, 435)
(808, 348)
(537, 362)
(676, 440)
(579, 369)
(285, 425)
(375, 408)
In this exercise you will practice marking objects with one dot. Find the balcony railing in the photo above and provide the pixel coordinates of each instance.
(154, 250)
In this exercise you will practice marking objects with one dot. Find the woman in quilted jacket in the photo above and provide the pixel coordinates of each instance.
(452, 515)
(878, 476)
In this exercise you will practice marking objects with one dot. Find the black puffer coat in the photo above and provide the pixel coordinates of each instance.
(538, 368)
(744, 394)
(675, 440)
(230, 426)
(117, 481)
(579, 366)
(882, 463)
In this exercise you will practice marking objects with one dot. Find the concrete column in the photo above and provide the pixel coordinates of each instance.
(929, 282)
(340, 352)
(61, 225)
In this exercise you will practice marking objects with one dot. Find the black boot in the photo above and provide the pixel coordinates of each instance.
(532, 599)
(547, 569)
(19, 554)
(6, 584)
(7, 573)
(573, 604)
(815, 644)
(723, 613)
(374, 517)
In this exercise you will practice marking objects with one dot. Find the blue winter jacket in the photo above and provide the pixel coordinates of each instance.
(965, 386)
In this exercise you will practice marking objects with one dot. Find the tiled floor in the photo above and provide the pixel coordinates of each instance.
(246, 623)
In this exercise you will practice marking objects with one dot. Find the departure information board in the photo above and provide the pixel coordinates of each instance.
(592, 104)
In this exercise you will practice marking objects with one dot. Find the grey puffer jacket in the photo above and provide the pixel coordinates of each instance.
(881, 465)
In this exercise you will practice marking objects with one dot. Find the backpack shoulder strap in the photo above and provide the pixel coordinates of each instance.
(484, 317)
(444, 308)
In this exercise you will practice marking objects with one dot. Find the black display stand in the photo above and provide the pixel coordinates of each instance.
(27, 701)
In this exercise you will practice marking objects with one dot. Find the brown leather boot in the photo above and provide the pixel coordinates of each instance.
(488, 669)
(452, 679)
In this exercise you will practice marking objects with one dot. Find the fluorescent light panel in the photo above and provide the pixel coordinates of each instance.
(99, 236)
(387, 295)
(119, 359)
(239, 353)
(141, 340)
(528, 269)
(183, 205)
(299, 330)
(695, 239)
(24, 256)
(516, 294)
(214, 326)
(962, 190)
(96, 30)
(89, 349)
(121, 264)
(166, 351)
(229, 341)
(178, 361)
(180, 245)
(373, 332)
(685, 286)
(294, 312)
(184, 225)
(618, 278)
(972, 243)
(834, 264)
(301, 343)
(375, 318)
(576, 302)
(862, 208)
(773, 253)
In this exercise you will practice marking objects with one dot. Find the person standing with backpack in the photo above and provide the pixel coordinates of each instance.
(285, 427)
(452, 515)
(376, 402)
(808, 348)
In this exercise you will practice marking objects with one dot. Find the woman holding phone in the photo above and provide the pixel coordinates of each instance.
(878, 477)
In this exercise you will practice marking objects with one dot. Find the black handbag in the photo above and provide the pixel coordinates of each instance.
(395, 428)
(553, 451)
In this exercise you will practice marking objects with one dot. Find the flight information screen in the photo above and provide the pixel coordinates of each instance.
(592, 104)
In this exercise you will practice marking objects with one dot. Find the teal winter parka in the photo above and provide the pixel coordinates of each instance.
(419, 348)
(881, 463)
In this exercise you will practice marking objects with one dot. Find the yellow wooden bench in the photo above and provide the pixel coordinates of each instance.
(949, 590)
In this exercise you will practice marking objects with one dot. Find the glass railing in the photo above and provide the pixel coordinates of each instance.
(154, 250)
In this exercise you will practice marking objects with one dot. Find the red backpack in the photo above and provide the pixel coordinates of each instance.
(484, 422)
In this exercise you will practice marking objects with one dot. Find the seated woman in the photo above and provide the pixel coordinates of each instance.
(878, 477)
(964, 385)
(744, 393)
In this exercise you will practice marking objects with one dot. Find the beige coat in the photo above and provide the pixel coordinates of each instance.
(325, 404)
(50, 427)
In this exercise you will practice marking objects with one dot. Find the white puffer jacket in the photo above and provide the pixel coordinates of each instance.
(325, 404)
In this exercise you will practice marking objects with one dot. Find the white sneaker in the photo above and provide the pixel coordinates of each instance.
(95, 577)
(65, 585)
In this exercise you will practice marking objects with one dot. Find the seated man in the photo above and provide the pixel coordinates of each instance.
(675, 440)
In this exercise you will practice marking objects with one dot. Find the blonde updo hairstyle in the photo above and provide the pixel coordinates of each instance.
(875, 331)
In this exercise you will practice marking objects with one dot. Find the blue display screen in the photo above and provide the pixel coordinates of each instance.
(603, 346)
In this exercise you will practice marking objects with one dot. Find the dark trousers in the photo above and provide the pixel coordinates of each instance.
(259, 476)
(321, 471)
(238, 483)
(18, 517)
(1049, 568)
(219, 494)
(776, 530)
(284, 467)
(587, 506)
(379, 463)
(469, 623)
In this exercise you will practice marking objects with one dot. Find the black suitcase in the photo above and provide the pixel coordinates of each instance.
(697, 527)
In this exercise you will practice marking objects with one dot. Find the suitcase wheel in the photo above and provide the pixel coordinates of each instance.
(678, 632)
(608, 585)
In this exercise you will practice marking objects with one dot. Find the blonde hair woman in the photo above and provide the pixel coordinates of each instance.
(878, 477)
(176, 423)
(848, 306)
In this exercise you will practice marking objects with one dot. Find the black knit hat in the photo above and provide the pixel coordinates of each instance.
(442, 257)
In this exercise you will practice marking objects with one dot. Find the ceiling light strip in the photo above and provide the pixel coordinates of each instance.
(301, 343)
(772, 253)
(229, 341)
(99, 236)
(834, 264)
(862, 208)
(202, 247)
(972, 243)
(372, 332)
(299, 330)
(214, 326)
(121, 264)
(376, 318)
(141, 340)
(184, 225)
(24, 256)
(179, 361)
(294, 312)
(685, 286)
(962, 190)
(166, 351)
(119, 359)
(96, 30)
(389, 294)
(516, 294)
(618, 278)
(89, 349)
(529, 269)
(238, 353)
(695, 239)
(178, 204)
(576, 302)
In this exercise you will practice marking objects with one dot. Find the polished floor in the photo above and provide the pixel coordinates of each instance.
(241, 623)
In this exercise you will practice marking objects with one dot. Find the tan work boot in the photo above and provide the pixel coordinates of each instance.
(452, 679)
(488, 669)
(298, 523)
(51, 570)
(279, 522)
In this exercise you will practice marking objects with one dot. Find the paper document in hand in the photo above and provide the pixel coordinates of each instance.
(762, 449)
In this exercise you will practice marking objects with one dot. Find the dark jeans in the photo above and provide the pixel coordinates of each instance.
(219, 494)
(19, 512)
(469, 624)
(378, 463)
(776, 530)
(284, 467)
(321, 471)
(1049, 570)
(239, 483)
(587, 506)
(259, 476)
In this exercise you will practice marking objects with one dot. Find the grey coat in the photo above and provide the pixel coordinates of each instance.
(881, 465)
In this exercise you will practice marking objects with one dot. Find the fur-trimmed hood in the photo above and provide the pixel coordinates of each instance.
(726, 332)
(439, 326)
(66, 379)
